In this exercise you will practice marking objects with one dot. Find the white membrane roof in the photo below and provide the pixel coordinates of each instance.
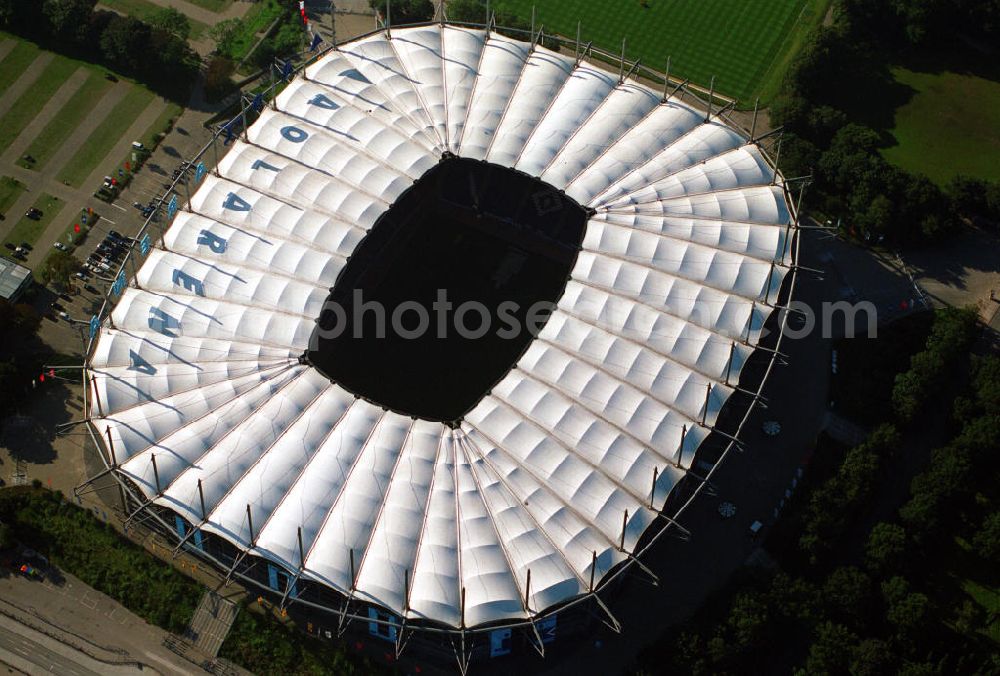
(682, 255)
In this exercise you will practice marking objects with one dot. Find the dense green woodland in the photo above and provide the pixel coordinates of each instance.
(859, 591)
(157, 55)
(841, 81)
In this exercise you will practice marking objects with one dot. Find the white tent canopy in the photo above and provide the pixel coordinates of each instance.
(683, 255)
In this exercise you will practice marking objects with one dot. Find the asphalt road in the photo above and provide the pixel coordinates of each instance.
(15, 648)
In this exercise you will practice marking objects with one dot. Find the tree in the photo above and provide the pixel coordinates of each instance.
(224, 34)
(748, 619)
(69, 18)
(872, 657)
(218, 78)
(906, 611)
(987, 539)
(124, 43)
(172, 21)
(404, 11)
(830, 650)
(846, 594)
(468, 11)
(886, 547)
(59, 269)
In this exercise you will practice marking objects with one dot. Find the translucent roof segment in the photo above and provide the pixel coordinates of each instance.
(684, 254)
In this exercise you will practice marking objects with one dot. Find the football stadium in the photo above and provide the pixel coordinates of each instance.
(470, 495)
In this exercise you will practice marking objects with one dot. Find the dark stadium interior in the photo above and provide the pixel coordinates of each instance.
(480, 232)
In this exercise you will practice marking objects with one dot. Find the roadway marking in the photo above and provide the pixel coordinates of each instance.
(102, 218)
(120, 208)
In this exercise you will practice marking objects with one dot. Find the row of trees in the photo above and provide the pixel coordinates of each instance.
(154, 52)
(896, 603)
(841, 77)
(952, 334)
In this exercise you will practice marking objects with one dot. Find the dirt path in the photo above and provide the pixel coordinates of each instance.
(121, 148)
(5, 48)
(62, 98)
(111, 98)
(23, 83)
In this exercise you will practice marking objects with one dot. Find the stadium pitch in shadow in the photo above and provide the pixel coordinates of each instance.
(475, 232)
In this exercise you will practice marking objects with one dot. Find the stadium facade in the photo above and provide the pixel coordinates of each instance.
(526, 508)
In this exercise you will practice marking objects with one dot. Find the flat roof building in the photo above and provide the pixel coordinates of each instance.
(14, 279)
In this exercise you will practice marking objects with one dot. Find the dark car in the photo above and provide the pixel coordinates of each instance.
(33, 213)
(9, 245)
(90, 288)
(25, 245)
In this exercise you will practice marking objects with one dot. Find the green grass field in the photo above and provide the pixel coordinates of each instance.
(103, 138)
(14, 64)
(10, 190)
(65, 122)
(28, 230)
(31, 102)
(948, 127)
(745, 44)
(144, 10)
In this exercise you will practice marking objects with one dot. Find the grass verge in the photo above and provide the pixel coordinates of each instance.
(28, 230)
(151, 137)
(105, 136)
(265, 645)
(10, 190)
(244, 37)
(55, 133)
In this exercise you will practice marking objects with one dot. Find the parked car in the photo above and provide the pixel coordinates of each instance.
(33, 213)
(80, 275)
(90, 288)
(61, 246)
(25, 245)
(10, 246)
(63, 315)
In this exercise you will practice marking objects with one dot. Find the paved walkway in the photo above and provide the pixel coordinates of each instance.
(235, 11)
(211, 622)
(84, 628)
